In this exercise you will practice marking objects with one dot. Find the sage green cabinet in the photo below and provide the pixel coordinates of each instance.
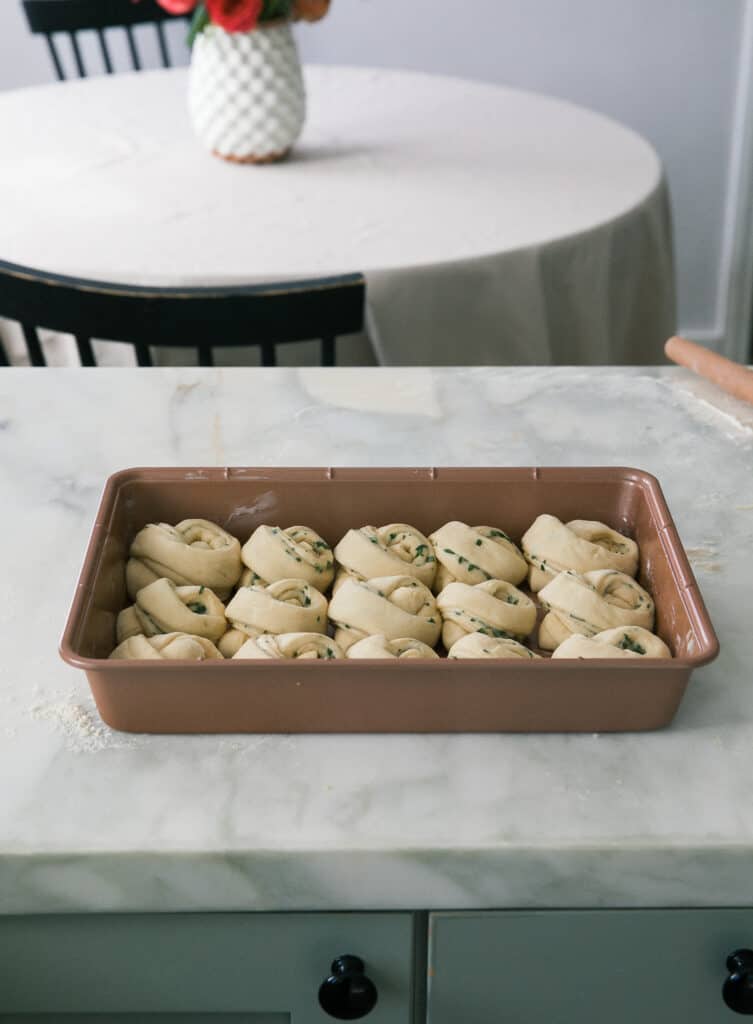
(146, 1018)
(583, 967)
(197, 968)
(503, 967)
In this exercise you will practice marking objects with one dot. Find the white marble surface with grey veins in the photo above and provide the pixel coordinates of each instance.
(95, 820)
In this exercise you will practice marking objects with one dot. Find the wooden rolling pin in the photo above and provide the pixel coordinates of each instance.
(731, 377)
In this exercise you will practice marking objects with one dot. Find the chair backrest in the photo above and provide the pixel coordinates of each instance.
(49, 17)
(201, 318)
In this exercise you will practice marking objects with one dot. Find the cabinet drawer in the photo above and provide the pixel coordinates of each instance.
(254, 968)
(580, 967)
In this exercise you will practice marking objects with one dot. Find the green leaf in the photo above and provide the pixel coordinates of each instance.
(199, 22)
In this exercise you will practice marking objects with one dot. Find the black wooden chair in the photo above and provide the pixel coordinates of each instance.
(204, 319)
(49, 17)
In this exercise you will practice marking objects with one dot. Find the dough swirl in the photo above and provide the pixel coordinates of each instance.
(286, 606)
(381, 647)
(161, 607)
(582, 545)
(390, 606)
(308, 646)
(495, 608)
(193, 552)
(479, 645)
(473, 554)
(591, 603)
(170, 646)
(393, 550)
(297, 552)
(621, 642)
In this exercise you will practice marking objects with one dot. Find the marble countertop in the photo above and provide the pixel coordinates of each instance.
(94, 820)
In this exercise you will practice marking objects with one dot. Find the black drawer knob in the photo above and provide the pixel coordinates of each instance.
(347, 994)
(737, 991)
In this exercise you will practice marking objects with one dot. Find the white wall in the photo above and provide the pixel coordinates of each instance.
(668, 68)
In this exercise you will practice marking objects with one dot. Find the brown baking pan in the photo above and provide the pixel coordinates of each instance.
(386, 696)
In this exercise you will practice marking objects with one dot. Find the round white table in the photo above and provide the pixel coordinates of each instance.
(493, 226)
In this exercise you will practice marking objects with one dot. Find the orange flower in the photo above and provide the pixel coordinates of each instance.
(310, 10)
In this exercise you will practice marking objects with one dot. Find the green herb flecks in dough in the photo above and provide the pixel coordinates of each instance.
(626, 644)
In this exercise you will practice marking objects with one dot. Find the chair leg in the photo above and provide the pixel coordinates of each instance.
(77, 55)
(105, 50)
(162, 41)
(143, 355)
(4, 361)
(55, 57)
(206, 356)
(268, 354)
(136, 63)
(329, 351)
(36, 355)
(85, 351)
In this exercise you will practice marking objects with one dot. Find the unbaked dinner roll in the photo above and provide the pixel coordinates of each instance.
(479, 645)
(391, 606)
(393, 550)
(162, 607)
(276, 554)
(381, 647)
(495, 608)
(308, 646)
(137, 648)
(172, 646)
(232, 641)
(622, 642)
(193, 552)
(582, 545)
(127, 624)
(268, 612)
(591, 603)
(286, 606)
(472, 554)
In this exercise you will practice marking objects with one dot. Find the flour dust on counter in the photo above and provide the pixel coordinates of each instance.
(74, 717)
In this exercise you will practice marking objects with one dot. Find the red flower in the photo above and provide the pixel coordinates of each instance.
(178, 6)
(235, 15)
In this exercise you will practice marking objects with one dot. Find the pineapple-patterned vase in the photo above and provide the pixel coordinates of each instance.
(246, 96)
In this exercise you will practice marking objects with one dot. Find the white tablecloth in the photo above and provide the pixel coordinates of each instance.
(493, 226)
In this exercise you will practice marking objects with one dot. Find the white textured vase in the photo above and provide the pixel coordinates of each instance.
(246, 95)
